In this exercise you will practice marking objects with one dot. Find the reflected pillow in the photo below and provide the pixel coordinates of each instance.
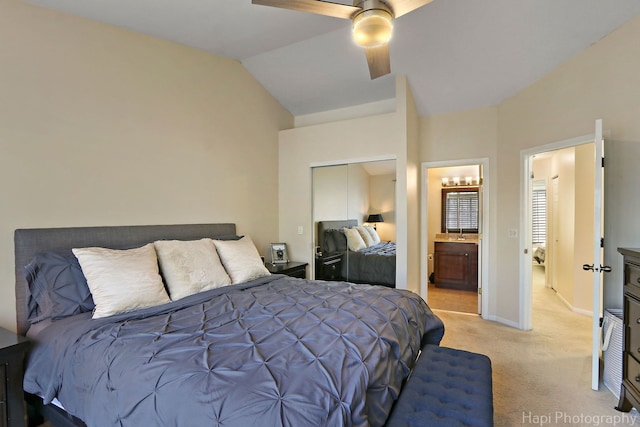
(339, 239)
(189, 267)
(373, 233)
(329, 243)
(366, 236)
(122, 280)
(241, 259)
(354, 240)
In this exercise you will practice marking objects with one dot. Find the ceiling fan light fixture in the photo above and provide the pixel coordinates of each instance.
(372, 28)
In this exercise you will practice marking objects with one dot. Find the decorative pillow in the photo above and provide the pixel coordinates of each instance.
(189, 267)
(241, 259)
(122, 280)
(339, 239)
(373, 233)
(354, 240)
(57, 286)
(329, 242)
(366, 236)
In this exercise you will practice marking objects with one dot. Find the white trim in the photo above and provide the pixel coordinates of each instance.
(487, 288)
(363, 110)
(354, 160)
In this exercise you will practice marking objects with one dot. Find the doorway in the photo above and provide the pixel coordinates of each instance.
(454, 234)
(561, 186)
(574, 180)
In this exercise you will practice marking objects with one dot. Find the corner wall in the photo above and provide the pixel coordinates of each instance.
(375, 137)
(103, 126)
(601, 82)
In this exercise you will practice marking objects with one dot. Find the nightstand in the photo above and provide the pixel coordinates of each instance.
(329, 267)
(291, 268)
(13, 348)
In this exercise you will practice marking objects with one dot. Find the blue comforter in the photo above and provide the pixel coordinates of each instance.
(274, 351)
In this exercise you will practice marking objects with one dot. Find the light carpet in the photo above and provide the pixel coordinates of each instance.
(540, 377)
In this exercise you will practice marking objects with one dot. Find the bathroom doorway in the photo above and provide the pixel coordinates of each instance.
(454, 202)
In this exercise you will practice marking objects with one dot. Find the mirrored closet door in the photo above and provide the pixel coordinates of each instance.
(354, 222)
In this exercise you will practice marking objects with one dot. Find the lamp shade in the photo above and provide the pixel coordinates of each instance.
(372, 28)
(375, 218)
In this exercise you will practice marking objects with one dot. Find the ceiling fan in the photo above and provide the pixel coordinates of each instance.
(372, 23)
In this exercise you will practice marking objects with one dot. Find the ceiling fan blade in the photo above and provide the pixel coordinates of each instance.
(402, 7)
(378, 60)
(319, 7)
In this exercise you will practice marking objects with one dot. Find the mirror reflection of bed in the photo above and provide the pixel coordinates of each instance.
(354, 252)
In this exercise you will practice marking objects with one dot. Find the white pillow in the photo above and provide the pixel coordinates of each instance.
(366, 236)
(122, 280)
(354, 240)
(241, 259)
(189, 267)
(373, 233)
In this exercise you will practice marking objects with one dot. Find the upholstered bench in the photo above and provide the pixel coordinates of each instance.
(447, 388)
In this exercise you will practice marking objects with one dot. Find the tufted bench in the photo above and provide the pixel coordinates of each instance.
(447, 388)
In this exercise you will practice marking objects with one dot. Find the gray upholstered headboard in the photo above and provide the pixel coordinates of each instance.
(332, 225)
(29, 242)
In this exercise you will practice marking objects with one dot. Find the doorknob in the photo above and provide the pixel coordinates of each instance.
(603, 268)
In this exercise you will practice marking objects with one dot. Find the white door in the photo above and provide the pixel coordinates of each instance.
(598, 234)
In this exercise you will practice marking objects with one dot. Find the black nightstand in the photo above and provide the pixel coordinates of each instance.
(293, 269)
(13, 348)
(329, 267)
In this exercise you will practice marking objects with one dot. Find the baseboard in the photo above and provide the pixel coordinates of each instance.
(572, 308)
(499, 319)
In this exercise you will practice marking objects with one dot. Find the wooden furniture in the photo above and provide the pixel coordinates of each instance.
(456, 265)
(291, 268)
(12, 352)
(630, 388)
(328, 267)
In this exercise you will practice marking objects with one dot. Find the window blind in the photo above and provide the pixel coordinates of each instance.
(462, 211)
(539, 218)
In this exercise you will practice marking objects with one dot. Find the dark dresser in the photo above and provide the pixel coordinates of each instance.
(12, 352)
(630, 390)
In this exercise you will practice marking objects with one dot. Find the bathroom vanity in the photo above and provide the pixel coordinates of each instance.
(456, 264)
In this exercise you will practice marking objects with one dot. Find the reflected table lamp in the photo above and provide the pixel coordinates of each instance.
(374, 219)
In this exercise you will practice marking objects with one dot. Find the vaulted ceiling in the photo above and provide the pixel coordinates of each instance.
(456, 54)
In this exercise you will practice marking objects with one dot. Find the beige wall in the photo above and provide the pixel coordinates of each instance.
(584, 223)
(601, 82)
(101, 126)
(458, 136)
(375, 137)
(382, 194)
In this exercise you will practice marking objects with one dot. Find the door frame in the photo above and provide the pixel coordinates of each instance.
(526, 265)
(484, 287)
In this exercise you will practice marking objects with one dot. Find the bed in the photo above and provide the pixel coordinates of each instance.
(374, 264)
(273, 350)
(539, 253)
